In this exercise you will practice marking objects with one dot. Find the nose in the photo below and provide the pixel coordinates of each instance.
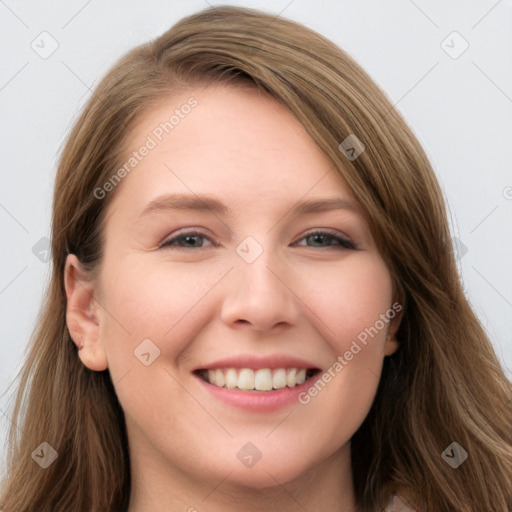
(260, 295)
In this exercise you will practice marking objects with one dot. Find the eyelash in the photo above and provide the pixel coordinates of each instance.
(343, 243)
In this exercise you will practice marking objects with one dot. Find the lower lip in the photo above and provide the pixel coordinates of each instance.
(258, 401)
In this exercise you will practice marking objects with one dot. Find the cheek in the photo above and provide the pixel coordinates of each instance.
(352, 308)
(167, 306)
(164, 303)
(348, 302)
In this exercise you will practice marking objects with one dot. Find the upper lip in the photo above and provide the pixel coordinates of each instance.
(256, 362)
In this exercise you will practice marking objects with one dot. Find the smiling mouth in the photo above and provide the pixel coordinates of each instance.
(262, 379)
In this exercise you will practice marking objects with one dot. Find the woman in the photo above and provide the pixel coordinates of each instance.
(195, 352)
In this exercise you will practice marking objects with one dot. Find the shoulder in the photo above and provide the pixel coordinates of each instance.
(399, 503)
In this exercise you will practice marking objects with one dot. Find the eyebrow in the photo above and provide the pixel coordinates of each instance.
(209, 203)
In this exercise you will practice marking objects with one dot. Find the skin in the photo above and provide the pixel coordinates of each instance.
(200, 301)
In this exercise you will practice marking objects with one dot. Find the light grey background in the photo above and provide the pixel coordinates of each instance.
(459, 108)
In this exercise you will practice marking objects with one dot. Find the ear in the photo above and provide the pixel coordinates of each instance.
(82, 316)
(392, 344)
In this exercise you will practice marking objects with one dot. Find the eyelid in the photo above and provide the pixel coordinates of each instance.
(345, 242)
(333, 233)
(185, 232)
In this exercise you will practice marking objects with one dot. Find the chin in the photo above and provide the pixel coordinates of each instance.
(269, 472)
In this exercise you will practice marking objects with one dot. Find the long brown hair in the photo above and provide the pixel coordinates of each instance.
(443, 385)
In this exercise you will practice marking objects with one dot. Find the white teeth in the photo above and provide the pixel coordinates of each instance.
(301, 376)
(246, 379)
(231, 379)
(279, 379)
(219, 378)
(290, 377)
(263, 379)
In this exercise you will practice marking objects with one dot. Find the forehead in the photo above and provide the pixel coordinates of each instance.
(239, 144)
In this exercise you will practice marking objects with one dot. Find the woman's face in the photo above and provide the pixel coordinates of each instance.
(212, 271)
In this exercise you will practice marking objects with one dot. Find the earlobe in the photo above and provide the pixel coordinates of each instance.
(391, 346)
(94, 357)
(82, 316)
